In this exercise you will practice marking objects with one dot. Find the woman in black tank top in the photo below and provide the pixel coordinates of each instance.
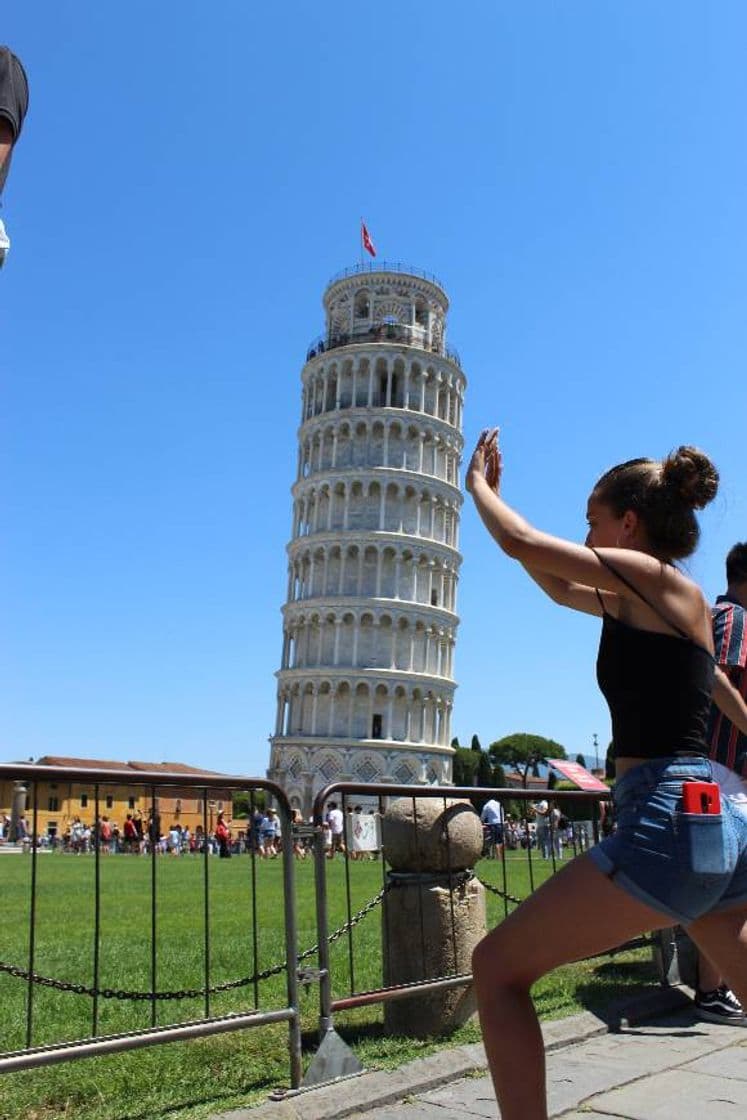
(656, 670)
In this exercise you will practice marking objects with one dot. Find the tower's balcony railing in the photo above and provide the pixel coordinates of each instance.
(386, 266)
(397, 333)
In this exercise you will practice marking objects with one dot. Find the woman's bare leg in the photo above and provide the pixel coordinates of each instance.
(574, 914)
(722, 938)
(709, 977)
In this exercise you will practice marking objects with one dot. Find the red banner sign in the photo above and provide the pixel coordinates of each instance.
(577, 774)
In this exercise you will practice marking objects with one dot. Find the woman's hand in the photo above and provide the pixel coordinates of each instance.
(486, 461)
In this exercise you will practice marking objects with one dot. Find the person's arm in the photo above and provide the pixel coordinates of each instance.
(729, 701)
(566, 594)
(570, 563)
(545, 554)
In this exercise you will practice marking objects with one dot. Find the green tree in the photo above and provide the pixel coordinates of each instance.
(524, 752)
(475, 744)
(581, 760)
(464, 766)
(581, 810)
(609, 763)
(484, 770)
(242, 803)
(499, 776)
(455, 742)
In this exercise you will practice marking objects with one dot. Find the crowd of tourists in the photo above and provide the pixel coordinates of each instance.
(354, 833)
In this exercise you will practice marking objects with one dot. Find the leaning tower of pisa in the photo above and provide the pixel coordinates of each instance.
(366, 684)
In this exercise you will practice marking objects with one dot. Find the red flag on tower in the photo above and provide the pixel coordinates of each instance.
(368, 244)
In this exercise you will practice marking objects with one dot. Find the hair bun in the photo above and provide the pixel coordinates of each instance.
(692, 474)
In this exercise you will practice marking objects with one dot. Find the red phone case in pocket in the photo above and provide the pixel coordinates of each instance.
(701, 797)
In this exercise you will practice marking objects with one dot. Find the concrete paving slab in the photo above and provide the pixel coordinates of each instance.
(590, 1114)
(731, 1063)
(418, 1111)
(663, 1047)
(636, 1057)
(677, 1095)
(571, 1082)
(583, 1078)
(580, 1073)
(474, 1097)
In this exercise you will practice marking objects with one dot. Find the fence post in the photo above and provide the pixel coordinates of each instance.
(334, 1058)
(291, 945)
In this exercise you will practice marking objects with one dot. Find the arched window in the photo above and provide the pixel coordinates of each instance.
(362, 305)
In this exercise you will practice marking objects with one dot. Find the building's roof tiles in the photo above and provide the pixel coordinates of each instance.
(125, 767)
(171, 768)
(81, 763)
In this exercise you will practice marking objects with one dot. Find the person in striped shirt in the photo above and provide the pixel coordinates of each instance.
(728, 745)
(728, 752)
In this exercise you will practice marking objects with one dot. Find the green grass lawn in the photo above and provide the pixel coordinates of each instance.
(189, 1080)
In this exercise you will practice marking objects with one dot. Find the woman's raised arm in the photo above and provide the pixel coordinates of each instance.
(575, 565)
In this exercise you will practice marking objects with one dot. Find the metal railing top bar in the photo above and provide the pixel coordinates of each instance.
(17, 772)
(365, 267)
(459, 792)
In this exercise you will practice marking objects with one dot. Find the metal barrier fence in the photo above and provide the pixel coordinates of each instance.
(330, 1001)
(44, 909)
(363, 981)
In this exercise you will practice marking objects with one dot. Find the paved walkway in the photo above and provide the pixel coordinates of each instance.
(670, 1066)
(676, 1070)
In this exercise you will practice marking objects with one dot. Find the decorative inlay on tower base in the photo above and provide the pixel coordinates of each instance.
(366, 685)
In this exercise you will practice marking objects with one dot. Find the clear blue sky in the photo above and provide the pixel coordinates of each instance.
(191, 175)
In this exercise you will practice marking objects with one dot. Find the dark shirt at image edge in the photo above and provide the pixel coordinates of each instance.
(14, 90)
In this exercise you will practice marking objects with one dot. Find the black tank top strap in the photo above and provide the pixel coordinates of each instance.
(682, 633)
(601, 601)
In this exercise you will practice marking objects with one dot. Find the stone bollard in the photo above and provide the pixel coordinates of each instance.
(434, 911)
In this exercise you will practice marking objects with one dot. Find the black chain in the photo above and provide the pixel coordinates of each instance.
(189, 993)
(499, 892)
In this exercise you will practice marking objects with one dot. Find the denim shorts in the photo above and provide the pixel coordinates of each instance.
(683, 864)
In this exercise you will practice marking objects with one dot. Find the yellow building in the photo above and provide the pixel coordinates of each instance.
(59, 803)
